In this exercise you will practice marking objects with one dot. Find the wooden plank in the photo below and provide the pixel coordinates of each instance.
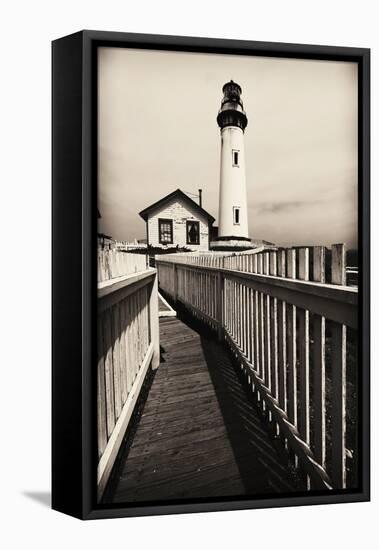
(267, 326)
(319, 428)
(153, 321)
(112, 291)
(215, 295)
(291, 344)
(338, 378)
(282, 355)
(232, 308)
(115, 324)
(174, 282)
(241, 316)
(134, 350)
(128, 346)
(246, 320)
(261, 323)
(338, 264)
(230, 305)
(123, 360)
(139, 328)
(319, 264)
(338, 405)
(147, 322)
(101, 400)
(146, 340)
(282, 262)
(235, 310)
(237, 313)
(245, 317)
(274, 333)
(303, 317)
(257, 357)
(251, 323)
(109, 378)
(194, 297)
(225, 302)
(208, 295)
(282, 337)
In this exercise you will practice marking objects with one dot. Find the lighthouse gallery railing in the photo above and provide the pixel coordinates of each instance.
(289, 336)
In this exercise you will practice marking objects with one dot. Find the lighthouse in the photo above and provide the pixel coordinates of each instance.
(233, 230)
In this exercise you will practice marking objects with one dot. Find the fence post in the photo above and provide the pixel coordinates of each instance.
(154, 323)
(339, 377)
(175, 276)
(319, 364)
(219, 306)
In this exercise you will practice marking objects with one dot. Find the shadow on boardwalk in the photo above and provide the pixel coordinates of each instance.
(196, 433)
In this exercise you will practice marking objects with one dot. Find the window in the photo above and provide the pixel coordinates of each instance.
(165, 231)
(193, 232)
(235, 157)
(236, 215)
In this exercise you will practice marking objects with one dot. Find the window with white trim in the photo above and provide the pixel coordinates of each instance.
(236, 215)
(165, 231)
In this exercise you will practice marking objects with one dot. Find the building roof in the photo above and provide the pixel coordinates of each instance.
(175, 194)
(103, 236)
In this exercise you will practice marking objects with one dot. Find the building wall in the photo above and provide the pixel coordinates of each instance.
(179, 212)
(232, 185)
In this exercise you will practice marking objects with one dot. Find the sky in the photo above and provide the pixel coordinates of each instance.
(158, 132)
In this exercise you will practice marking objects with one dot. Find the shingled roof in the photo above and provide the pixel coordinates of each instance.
(175, 194)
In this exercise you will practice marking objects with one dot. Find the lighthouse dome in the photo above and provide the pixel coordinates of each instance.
(232, 112)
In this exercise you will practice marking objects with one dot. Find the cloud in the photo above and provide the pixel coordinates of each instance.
(284, 206)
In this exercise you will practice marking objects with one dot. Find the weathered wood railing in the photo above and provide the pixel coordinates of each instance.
(288, 329)
(113, 263)
(128, 343)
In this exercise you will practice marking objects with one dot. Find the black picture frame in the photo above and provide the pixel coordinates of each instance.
(74, 207)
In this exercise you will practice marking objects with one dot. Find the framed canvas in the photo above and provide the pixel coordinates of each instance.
(210, 274)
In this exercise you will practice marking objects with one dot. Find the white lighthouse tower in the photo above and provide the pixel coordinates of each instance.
(233, 230)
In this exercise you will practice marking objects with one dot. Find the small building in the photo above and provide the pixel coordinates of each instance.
(177, 221)
(104, 241)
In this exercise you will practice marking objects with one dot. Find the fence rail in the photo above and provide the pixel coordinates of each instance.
(114, 263)
(128, 343)
(288, 328)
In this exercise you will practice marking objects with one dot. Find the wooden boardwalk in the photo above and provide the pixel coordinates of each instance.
(197, 435)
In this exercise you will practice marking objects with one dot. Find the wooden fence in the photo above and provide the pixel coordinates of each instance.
(113, 263)
(285, 317)
(128, 343)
